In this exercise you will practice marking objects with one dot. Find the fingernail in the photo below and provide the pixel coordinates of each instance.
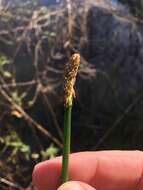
(71, 186)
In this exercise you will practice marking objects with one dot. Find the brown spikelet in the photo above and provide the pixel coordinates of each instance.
(70, 78)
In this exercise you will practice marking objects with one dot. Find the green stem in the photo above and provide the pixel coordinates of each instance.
(66, 149)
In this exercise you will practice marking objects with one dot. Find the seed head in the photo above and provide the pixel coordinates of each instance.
(70, 78)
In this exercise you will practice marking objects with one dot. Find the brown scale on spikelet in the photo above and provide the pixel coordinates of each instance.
(70, 78)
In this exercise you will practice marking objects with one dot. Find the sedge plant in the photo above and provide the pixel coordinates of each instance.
(69, 93)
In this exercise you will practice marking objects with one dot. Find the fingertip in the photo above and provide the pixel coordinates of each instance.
(46, 174)
(35, 175)
(75, 185)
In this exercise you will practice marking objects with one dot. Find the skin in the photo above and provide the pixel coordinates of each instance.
(102, 170)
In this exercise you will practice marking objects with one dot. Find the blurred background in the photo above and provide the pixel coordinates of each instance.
(37, 38)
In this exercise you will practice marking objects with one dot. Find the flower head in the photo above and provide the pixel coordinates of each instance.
(70, 78)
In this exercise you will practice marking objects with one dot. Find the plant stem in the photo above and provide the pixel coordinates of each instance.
(66, 150)
(69, 93)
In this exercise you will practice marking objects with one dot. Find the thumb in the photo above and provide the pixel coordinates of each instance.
(75, 185)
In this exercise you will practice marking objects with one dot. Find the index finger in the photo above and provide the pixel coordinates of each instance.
(104, 170)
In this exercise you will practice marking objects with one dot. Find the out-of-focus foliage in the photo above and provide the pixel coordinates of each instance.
(13, 144)
(50, 152)
(3, 63)
(16, 147)
(28, 35)
(136, 7)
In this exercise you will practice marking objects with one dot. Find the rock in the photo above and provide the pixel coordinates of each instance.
(115, 48)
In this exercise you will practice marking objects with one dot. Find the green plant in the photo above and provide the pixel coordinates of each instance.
(3, 62)
(70, 79)
(14, 144)
(18, 98)
(50, 152)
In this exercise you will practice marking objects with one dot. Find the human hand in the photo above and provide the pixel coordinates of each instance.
(102, 170)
